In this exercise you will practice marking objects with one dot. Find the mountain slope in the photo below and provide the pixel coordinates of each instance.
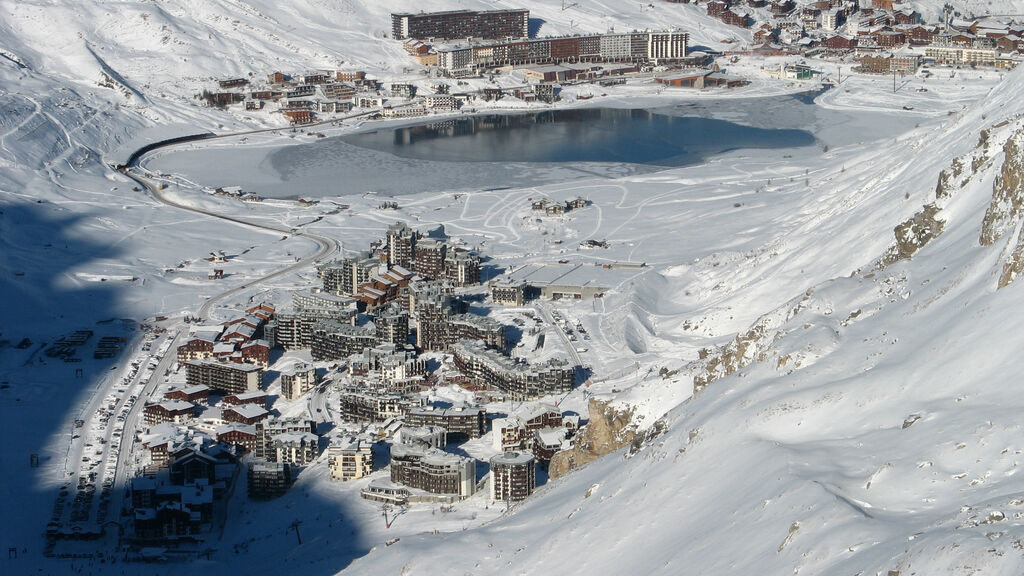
(872, 428)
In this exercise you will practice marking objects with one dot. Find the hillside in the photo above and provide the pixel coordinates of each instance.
(825, 379)
(868, 426)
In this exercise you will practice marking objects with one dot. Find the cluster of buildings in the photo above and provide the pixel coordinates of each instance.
(647, 47)
(515, 378)
(372, 316)
(238, 341)
(538, 428)
(886, 36)
(176, 504)
(421, 471)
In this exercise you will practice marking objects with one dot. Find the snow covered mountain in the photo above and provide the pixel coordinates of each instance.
(840, 394)
(868, 426)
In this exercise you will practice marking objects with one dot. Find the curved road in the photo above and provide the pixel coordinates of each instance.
(327, 245)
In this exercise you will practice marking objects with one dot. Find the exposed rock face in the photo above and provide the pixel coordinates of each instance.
(608, 430)
(913, 233)
(1007, 193)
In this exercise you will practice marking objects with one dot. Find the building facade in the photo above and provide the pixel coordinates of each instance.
(491, 24)
(227, 377)
(350, 460)
(513, 476)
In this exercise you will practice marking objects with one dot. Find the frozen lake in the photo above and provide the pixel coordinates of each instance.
(493, 151)
(579, 135)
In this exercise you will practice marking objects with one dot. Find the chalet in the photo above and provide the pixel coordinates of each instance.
(175, 411)
(225, 98)
(839, 44)
(961, 39)
(239, 332)
(298, 116)
(276, 78)
(874, 64)
(256, 398)
(198, 395)
(906, 17)
(890, 38)
(919, 35)
(241, 435)
(255, 352)
(716, 8)
(316, 78)
(548, 441)
(782, 7)
(1009, 43)
(263, 311)
(765, 34)
(245, 414)
(734, 19)
(349, 76)
(886, 5)
(198, 346)
(415, 47)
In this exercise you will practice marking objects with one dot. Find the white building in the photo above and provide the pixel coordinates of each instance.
(350, 460)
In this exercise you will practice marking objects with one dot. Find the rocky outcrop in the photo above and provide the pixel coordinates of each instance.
(913, 233)
(1005, 210)
(608, 429)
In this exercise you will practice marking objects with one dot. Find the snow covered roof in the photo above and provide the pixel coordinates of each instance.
(247, 410)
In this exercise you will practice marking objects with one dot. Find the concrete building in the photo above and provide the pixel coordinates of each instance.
(268, 479)
(224, 376)
(351, 459)
(343, 277)
(298, 380)
(401, 242)
(271, 427)
(423, 436)
(336, 341)
(365, 405)
(469, 422)
(507, 292)
(432, 470)
(513, 476)
(461, 24)
(296, 448)
(518, 380)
